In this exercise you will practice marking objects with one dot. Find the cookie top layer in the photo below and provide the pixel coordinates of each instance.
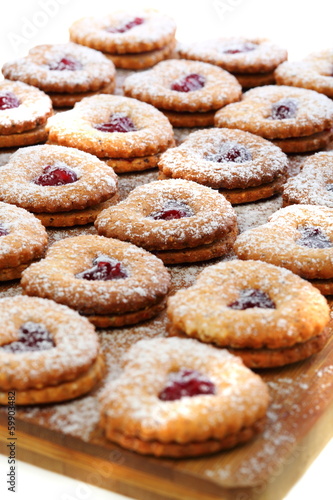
(125, 32)
(212, 88)
(236, 54)
(278, 112)
(66, 67)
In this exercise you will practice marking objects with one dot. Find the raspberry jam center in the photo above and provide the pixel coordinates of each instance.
(104, 269)
(128, 26)
(186, 383)
(8, 100)
(232, 152)
(32, 337)
(56, 176)
(238, 48)
(118, 122)
(66, 63)
(189, 83)
(313, 237)
(284, 109)
(252, 297)
(3, 230)
(173, 210)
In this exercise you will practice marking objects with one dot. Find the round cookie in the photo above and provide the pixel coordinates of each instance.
(314, 72)
(22, 240)
(242, 166)
(50, 180)
(177, 220)
(227, 402)
(251, 60)
(117, 129)
(180, 88)
(314, 184)
(299, 238)
(24, 111)
(265, 314)
(111, 282)
(67, 72)
(48, 352)
(296, 120)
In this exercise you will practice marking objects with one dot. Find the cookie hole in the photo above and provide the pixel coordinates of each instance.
(67, 63)
(137, 21)
(172, 210)
(31, 337)
(104, 268)
(118, 122)
(186, 383)
(231, 152)
(189, 83)
(3, 230)
(284, 109)
(8, 100)
(252, 297)
(313, 237)
(239, 48)
(56, 175)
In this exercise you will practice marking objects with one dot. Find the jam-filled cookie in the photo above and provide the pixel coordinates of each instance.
(314, 72)
(132, 40)
(111, 282)
(251, 60)
(24, 111)
(242, 166)
(194, 399)
(314, 184)
(188, 92)
(48, 353)
(296, 120)
(66, 72)
(299, 238)
(22, 240)
(61, 186)
(177, 220)
(263, 313)
(127, 134)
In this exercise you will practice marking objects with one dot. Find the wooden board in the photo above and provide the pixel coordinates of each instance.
(66, 437)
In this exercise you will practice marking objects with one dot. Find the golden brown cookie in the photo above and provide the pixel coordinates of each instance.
(290, 117)
(186, 378)
(99, 277)
(142, 60)
(251, 305)
(178, 220)
(48, 352)
(22, 240)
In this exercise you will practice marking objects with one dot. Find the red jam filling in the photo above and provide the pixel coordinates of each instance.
(117, 123)
(8, 100)
(232, 152)
(3, 230)
(239, 48)
(32, 337)
(313, 237)
(189, 83)
(104, 269)
(173, 210)
(284, 109)
(56, 176)
(128, 26)
(66, 63)
(186, 383)
(252, 297)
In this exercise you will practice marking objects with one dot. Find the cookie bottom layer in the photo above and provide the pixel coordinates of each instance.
(62, 392)
(28, 138)
(249, 80)
(305, 143)
(63, 100)
(324, 286)
(135, 164)
(177, 450)
(14, 273)
(247, 195)
(178, 119)
(141, 60)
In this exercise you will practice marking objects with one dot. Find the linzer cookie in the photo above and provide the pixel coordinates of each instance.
(314, 72)
(24, 111)
(48, 353)
(111, 282)
(263, 313)
(299, 238)
(132, 40)
(188, 92)
(127, 134)
(251, 60)
(177, 220)
(172, 379)
(22, 240)
(66, 72)
(242, 166)
(296, 120)
(61, 186)
(314, 184)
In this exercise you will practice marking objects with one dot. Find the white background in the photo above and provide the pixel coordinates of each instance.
(301, 26)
